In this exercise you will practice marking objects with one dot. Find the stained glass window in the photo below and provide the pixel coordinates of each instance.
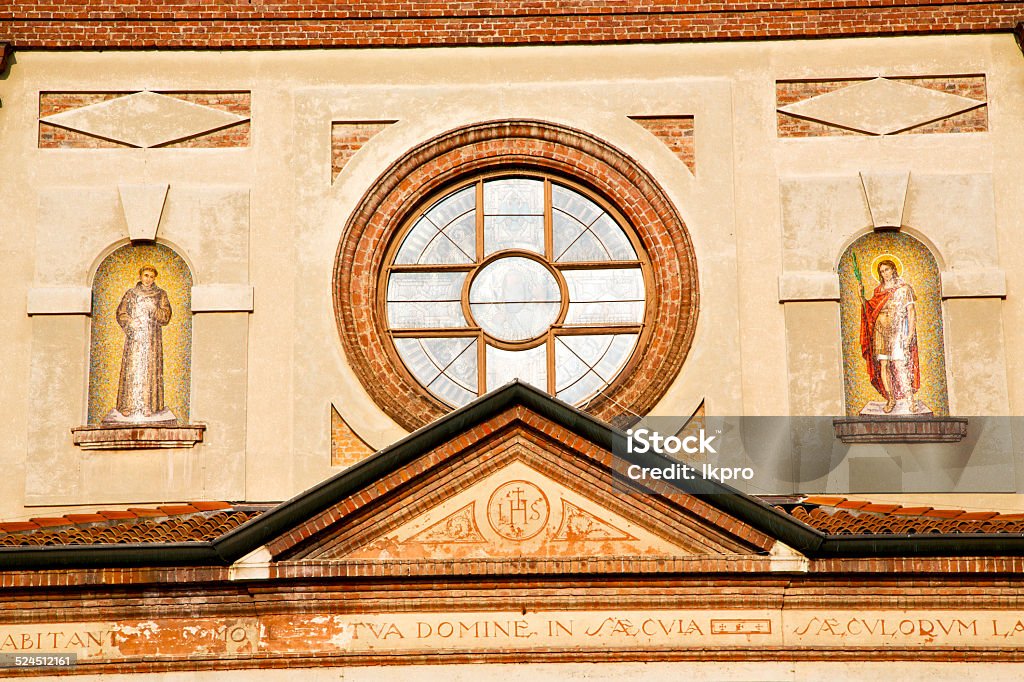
(516, 277)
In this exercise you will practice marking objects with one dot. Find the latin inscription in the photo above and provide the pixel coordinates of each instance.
(493, 631)
(53, 640)
(909, 628)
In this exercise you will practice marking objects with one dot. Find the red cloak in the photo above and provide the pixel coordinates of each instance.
(869, 312)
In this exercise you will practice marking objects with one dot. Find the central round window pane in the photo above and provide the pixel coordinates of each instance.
(493, 269)
(515, 299)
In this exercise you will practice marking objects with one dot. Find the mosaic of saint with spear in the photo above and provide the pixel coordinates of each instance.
(888, 335)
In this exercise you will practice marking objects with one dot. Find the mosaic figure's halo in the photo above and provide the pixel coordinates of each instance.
(884, 257)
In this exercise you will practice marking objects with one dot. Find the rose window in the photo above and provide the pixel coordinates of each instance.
(523, 277)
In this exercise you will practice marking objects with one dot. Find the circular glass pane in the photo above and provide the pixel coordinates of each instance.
(556, 294)
(514, 299)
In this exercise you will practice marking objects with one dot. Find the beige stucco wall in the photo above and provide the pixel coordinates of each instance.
(270, 217)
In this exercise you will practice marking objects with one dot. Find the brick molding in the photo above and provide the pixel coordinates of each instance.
(45, 24)
(537, 145)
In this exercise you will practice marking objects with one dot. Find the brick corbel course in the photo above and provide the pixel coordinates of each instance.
(48, 24)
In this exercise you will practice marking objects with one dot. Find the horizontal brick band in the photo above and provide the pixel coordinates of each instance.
(46, 25)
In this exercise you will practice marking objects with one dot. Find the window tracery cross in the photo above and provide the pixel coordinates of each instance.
(515, 276)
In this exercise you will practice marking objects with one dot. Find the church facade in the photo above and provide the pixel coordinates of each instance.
(324, 328)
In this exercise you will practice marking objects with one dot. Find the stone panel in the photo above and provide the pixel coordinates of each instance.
(882, 106)
(143, 119)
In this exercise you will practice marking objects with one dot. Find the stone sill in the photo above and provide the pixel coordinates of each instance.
(137, 436)
(909, 429)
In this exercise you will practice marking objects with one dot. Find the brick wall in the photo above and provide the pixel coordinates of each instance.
(347, 448)
(676, 132)
(348, 137)
(239, 23)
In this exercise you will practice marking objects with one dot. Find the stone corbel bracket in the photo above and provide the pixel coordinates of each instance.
(5, 55)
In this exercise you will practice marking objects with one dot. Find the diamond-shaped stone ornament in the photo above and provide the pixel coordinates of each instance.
(144, 119)
(881, 106)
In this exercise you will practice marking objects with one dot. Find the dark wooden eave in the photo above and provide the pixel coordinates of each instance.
(250, 536)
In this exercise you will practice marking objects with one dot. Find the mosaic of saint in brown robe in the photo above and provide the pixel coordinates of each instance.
(143, 311)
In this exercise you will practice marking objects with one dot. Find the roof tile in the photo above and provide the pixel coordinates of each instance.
(880, 508)
(50, 521)
(170, 523)
(910, 511)
(944, 513)
(144, 511)
(117, 514)
(84, 518)
(872, 519)
(15, 526)
(199, 527)
(976, 516)
(824, 500)
(177, 509)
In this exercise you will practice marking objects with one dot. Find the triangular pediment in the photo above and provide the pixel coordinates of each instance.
(516, 486)
(515, 512)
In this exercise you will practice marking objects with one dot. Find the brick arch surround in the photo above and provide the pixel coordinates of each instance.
(496, 145)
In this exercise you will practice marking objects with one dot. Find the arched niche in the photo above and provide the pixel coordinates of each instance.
(163, 326)
(893, 343)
